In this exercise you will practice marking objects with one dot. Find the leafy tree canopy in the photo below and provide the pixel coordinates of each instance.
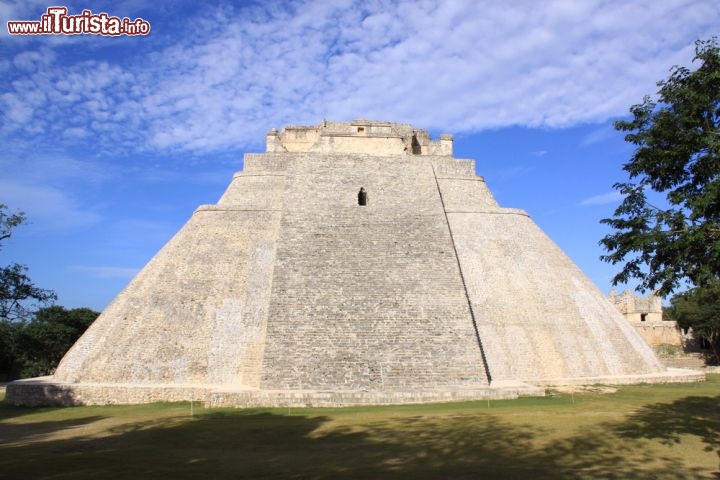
(699, 308)
(18, 296)
(678, 155)
(46, 339)
(35, 347)
(8, 222)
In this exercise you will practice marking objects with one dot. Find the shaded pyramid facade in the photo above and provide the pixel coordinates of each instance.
(288, 291)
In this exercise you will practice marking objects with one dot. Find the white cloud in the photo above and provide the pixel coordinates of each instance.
(599, 135)
(602, 199)
(50, 207)
(456, 66)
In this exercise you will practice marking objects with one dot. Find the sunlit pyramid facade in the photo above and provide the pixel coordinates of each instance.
(352, 262)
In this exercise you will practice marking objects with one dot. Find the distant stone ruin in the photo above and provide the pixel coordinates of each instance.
(290, 292)
(645, 314)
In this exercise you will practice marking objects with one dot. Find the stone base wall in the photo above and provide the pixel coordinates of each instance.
(36, 392)
(671, 375)
(659, 333)
(44, 391)
(307, 398)
(689, 360)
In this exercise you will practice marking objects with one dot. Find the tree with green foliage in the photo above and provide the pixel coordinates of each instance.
(668, 243)
(19, 299)
(18, 296)
(9, 349)
(699, 308)
(45, 340)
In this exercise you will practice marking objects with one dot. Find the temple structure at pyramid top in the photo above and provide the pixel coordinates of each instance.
(360, 136)
(351, 263)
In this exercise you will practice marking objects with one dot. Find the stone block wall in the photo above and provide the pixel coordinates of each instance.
(367, 297)
(360, 136)
(660, 332)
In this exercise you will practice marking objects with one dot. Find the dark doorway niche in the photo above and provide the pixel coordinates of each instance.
(362, 197)
(416, 148)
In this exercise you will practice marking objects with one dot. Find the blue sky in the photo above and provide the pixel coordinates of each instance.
(110, 143)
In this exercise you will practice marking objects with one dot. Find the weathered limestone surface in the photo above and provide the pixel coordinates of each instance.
(367, 296)
(287, 292)
(547, 320)
(47, 390)
(360, 136)
(664, 332)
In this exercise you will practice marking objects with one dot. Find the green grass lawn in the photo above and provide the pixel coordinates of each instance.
(660, 431)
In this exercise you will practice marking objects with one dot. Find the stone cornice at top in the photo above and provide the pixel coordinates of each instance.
(359, 136)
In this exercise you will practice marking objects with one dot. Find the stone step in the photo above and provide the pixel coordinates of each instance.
(687, 361)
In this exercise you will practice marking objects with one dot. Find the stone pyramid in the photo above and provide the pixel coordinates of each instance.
(288, 291)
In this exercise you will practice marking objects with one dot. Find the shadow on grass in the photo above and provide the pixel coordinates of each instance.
(8, 411)
(18, 433)
(667, 422)
(237, 444)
